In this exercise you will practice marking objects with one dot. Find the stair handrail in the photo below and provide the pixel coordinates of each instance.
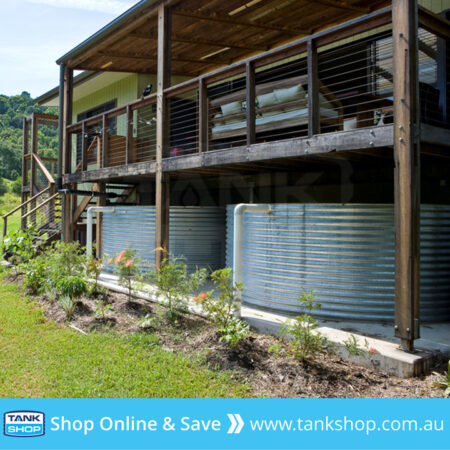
(40, 205)
(44, 169)
(5, 216)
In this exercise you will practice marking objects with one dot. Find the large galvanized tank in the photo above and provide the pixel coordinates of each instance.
(197, 233)
(345, 253)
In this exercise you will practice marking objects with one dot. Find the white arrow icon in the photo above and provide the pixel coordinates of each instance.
(236, 423)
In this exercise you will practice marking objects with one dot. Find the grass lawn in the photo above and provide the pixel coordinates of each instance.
(38, 358)
(8, 202)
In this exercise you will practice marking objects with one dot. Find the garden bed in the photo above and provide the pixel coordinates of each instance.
(251, 362)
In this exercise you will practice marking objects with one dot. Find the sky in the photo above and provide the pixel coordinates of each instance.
(35, 33)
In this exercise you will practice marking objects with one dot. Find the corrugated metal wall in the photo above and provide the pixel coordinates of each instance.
(345, 253)
(197, 233)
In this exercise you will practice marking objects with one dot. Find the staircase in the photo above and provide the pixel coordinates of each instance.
(41, 214)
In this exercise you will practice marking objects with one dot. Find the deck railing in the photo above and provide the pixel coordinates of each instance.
(336, 80)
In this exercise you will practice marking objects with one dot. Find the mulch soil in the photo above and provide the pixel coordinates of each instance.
(268, 375)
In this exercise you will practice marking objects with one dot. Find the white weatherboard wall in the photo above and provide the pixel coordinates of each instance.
(197, 233)
(345, 253)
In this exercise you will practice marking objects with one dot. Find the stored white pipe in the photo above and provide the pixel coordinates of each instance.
(239, 211)
(90, 217)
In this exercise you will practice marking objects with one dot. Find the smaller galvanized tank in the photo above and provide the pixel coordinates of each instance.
(197, 233)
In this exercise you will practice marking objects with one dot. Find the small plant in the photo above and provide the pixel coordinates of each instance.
(235, 331)
(102, 308)
(444, 382)
(73, 287)
(35, 273)
(306, 342)
(52, 295)
(18, 245)
(68, 305)
(148, 321)
(93, 270)
(222, 310)
(127, 269)
(174, 284)
(351, 345)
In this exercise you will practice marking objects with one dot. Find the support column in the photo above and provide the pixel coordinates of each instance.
(65, 112)
(25, 181)
(101, 201)
(313, 89)
(250, 102)
(34, 131)
(407, 171)
(162, 194)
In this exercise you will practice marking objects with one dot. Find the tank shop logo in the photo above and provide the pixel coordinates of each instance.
(24, 423)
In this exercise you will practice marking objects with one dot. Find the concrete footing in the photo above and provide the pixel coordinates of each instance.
(377, 349)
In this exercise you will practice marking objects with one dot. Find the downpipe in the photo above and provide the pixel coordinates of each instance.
(90, 220)
(239, 211)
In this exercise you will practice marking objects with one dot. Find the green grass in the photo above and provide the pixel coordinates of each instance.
(8, 202)
(39, 358)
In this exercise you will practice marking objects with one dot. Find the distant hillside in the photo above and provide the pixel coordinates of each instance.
(12, 111)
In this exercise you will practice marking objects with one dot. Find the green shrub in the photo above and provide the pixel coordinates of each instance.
(222, 310)
(72, 287)
(174, 284)
(93, 270)
(68, 305)
(16, 186)
(18, 245)
(102, 308)
(306, 342)
(127, 269)
(35, 273)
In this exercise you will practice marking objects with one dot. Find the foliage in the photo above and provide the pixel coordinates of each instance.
(3, 187)
(223, 309)
(444, 382)
(72, 287)
(12, 111)
(351, 345)
(61, 363)
(35, 273)
(67, 259)
(174, 284)
(148, 321)
(68, 305)
(102, 308)
(306, 341)
(93, 270)
(127, 269)
(235, 331)
(16, 186)
(19, 245)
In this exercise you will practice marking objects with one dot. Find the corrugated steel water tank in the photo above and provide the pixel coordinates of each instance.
(345, 253)
(197, 233)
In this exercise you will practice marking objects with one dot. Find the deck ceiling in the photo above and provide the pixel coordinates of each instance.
(210, 34)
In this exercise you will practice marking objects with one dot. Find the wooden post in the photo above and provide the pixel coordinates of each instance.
(250, 101)
(66, 96)
(407, 171)
(129, 136)
(34, 130)
(105, 135)
(162, 187)
(203, 116)
(83, 147)
(101, 201)
(313, 90)
(25, 181)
